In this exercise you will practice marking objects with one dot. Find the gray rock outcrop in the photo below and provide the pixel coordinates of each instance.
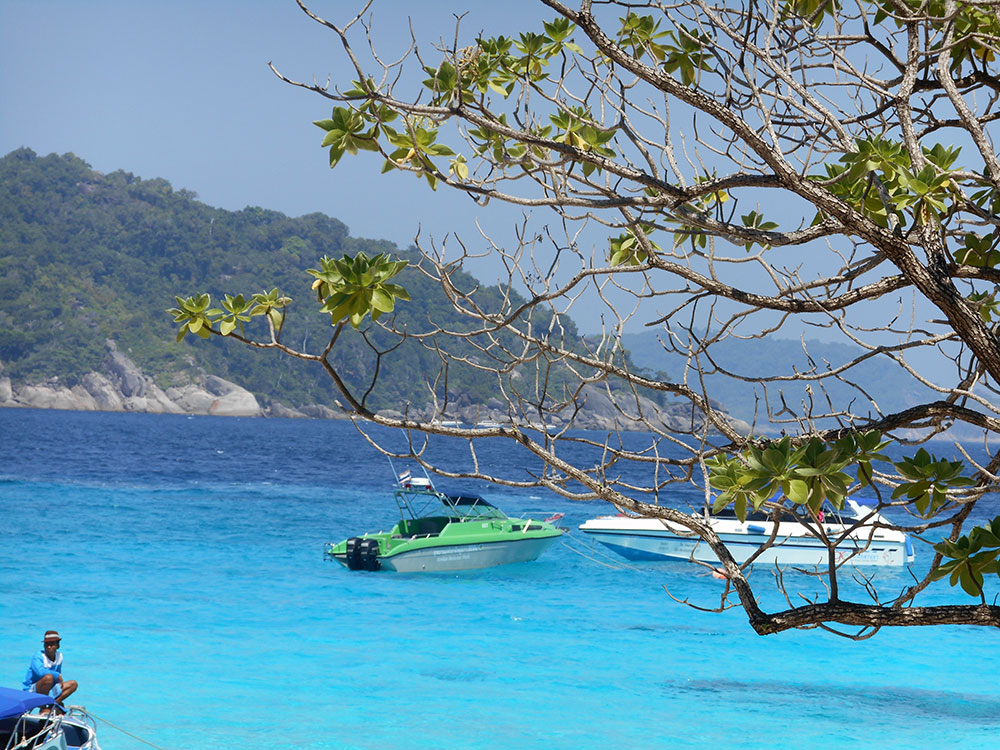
(103, 391)
(318, 411)
(124, 373)
(6, 390)
(153, 401)
(279, 410)
(50, 395)
(122, 386)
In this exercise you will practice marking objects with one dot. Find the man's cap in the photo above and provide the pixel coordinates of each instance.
(50, 636)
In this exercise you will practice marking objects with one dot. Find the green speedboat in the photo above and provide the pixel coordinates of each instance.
(439, 532)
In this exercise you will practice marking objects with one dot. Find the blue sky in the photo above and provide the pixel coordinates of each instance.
(181, 90)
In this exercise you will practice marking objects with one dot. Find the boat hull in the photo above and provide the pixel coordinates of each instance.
(75, 731)
(639, 543)
(446, 558)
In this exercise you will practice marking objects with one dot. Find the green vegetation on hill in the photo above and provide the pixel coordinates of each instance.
(86, 256)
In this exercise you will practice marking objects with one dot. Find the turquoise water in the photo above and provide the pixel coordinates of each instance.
(181, 559)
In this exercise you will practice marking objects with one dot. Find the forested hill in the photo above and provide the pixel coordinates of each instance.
(86, 257)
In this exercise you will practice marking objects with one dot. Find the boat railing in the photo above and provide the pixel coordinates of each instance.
(79, 715)
(36, 731)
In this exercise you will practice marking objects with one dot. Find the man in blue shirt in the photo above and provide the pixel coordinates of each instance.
(45, 672)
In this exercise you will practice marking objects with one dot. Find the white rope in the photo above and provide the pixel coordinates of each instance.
(123, 731)
(615, 563)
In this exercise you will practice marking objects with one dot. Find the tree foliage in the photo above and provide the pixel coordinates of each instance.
(748, 168)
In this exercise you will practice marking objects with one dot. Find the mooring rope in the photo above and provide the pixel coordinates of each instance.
(615, 563)
(124, 731)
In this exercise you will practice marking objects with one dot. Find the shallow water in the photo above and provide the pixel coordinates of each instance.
(181, 559)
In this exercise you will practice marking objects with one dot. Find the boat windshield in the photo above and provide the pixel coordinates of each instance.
(472, 506)
(829, 513)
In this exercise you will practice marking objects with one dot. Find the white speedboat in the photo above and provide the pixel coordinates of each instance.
(798, 541)
(22, 725)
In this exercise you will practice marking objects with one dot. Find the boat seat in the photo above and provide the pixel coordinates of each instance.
(425, 526)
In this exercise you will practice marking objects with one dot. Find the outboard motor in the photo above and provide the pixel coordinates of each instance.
(353, 553)
(368, 552)
(362, 554)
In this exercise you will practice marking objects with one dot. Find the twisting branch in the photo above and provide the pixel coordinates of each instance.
(731, 178)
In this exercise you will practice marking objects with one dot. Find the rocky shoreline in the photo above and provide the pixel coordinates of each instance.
(121, 386)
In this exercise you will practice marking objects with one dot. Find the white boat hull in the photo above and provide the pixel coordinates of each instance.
(74, 731)
(467, 556)
(651, 539)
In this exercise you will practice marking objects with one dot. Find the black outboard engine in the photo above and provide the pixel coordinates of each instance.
(369, 554)
(352, 554)
(362, 554)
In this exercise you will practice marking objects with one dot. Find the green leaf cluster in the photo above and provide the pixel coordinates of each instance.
(194, 315)
(924, 197)
(576, 127)
(706, 202)
(755, 220)
(641, 35)
(817, 472)
(687, 54)
(507, 150)
(351, 288)
(626, 250)
(353, 130)
(414, 148)
(979, 250)
(983, 251)
(350, 131)
(809, 474)
(975, 28)
(971, 557)
(491, 65)
(498, 64)
(986, 304)
(927, 481)
(682, 51)
(811, 11)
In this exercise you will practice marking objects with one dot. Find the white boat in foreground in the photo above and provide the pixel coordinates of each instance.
(62, 728)
(796, 543)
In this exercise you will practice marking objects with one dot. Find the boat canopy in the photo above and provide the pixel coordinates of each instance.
(469, 500)
(471, 506)
(421, 502)
(16, 702)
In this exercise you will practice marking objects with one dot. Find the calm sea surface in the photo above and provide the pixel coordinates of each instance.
(181, 559)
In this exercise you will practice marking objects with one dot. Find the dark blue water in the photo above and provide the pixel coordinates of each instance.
(181, 559)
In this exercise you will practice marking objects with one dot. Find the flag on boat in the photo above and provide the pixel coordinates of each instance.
(404, 478)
